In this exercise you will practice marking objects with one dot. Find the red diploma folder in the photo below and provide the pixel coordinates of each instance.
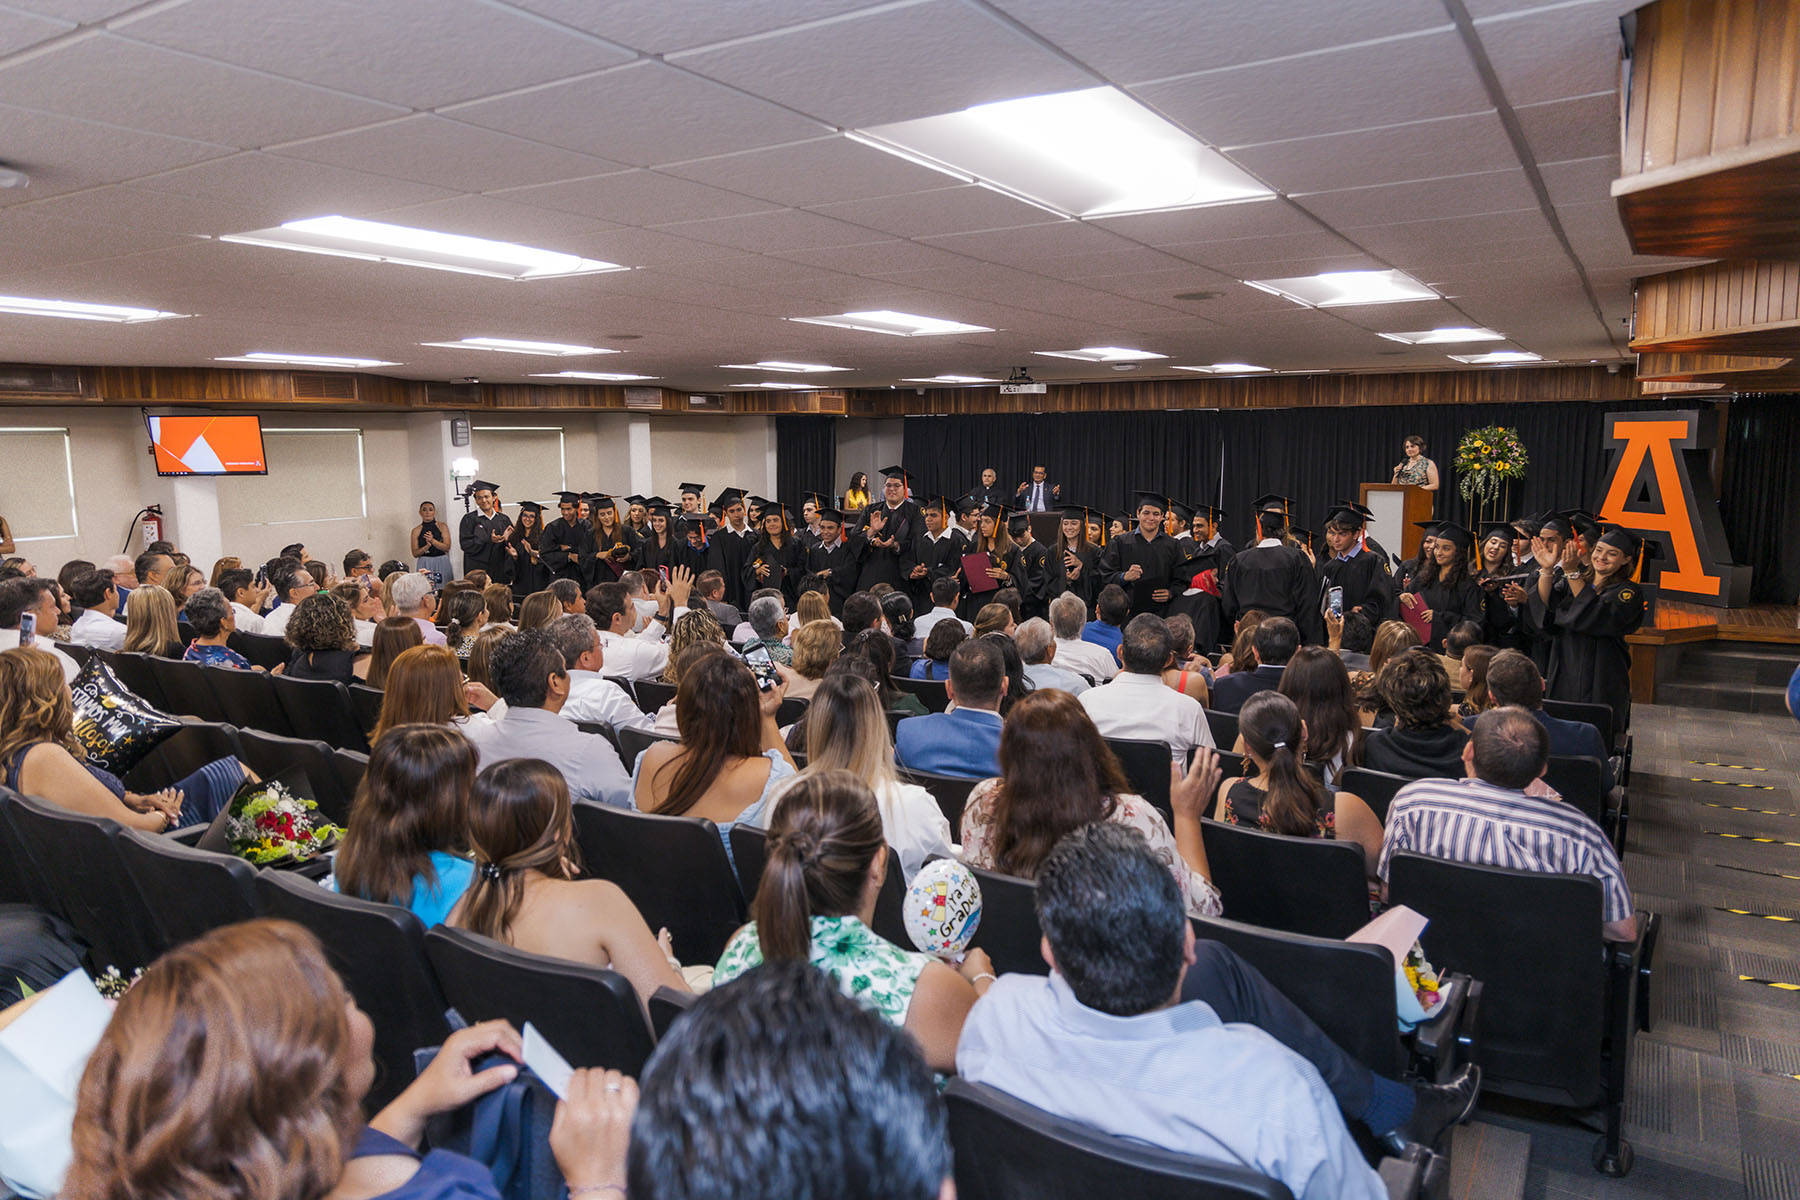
(1415, 616)
(975, 573)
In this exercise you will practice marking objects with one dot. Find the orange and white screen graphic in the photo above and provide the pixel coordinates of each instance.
(208, 445)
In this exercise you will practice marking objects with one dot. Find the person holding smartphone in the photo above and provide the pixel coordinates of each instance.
(1366, 579)
(29, 610)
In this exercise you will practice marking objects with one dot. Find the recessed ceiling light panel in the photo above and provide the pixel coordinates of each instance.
(952, 379)
(1089, 153)
(268, 358)
(377, 241)
(1338, 289)
(1494, 357)
(796, 368)
(1446, 337)
(899, 324)
(775, 385)
(1103, 354)
(596, 376)
(117, 314)
(1228, 368)
(515, 346)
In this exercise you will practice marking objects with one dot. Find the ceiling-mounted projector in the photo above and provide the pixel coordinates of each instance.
(1020, 383)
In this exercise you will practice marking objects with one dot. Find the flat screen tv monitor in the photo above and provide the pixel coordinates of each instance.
(208, 445)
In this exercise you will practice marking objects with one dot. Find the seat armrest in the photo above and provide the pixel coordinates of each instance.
(1405, 1176)
(1436, 1042)
(1649, 928)
(189, 835)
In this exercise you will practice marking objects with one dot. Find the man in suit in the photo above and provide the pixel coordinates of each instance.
(1039, 495)
(1521, 685)
(964, 742)
(482, 534)
(1274, 641)
(837, 556)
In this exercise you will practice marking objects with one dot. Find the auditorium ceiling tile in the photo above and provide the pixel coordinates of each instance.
(1028, 244)
(891, 63)
(1231, 256)
(1423, 199)
(1419, 242)
(1575, 128)
(1167, 284)
(643, 113)
(36, 239)
(66, 154)
(776, 231)
(107, 78)
(1214, 223)
(808, 174)
(1553, 50)
(21, 29)
(494, 217)
(877, 258)
(1096, 266)
(1396, 154)
(255, 191)
(1226, 31)
(638, 197)
(961, 209)
(1418, 77)
(448, 154)
(662, 28)
(414, 55)
(647, 247)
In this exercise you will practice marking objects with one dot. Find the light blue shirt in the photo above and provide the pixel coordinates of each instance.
(588, 763)
(1049, 675)
(1177, 1077)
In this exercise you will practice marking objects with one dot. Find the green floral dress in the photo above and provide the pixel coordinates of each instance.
(867, 967)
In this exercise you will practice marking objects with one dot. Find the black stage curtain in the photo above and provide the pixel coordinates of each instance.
(805, 458)
(1230, 457)
(1760, 493)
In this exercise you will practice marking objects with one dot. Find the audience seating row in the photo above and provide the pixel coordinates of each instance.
(318, 709)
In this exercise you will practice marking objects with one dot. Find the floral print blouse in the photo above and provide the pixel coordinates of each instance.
(866, 966)
(1198, 894)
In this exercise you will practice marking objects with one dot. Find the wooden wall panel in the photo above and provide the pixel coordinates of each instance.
(1738, 307)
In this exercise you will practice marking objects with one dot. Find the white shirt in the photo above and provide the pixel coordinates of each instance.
(1055, 675)
(276, 622)
(247, 621)
(593, 697)
(911, 820)
(627, 656)
(96, 629)
(9, 639)
(1086, 658)
(1146, 708)
(365, 633)
(924, 625)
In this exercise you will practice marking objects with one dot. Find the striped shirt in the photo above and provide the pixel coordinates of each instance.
(1466, 820)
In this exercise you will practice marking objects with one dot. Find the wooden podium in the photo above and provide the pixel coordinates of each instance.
(1396, 507)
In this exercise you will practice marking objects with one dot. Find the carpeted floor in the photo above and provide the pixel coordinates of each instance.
(1714, 1109)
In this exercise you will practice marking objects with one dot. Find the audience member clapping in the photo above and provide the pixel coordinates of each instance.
(826, 863)
(1057, 775)
(527, 891)
(407, 840)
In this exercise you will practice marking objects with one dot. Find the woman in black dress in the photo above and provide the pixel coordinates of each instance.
(431, 545)
(777, 560)
(1444, 586)
(1587, 612)
(524, 547)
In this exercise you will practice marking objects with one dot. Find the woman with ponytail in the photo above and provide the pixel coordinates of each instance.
(1279, 795)
(827, 861)
(527, 891)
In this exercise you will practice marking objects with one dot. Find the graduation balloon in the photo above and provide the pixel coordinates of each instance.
(943, 908)
(115, 727)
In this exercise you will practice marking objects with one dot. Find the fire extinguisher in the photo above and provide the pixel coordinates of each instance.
(149, 522)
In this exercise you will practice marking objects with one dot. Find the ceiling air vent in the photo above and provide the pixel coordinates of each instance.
(33, 380)
(322, 385)
(459, 395)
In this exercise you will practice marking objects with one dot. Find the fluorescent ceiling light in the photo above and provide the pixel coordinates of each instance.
(1107, 354)
(886, 320)
(600, 376)
(267, 358)
(377, 241)
(1226, 369)
(1498, 356)
(118, 314)
(514, 346)
(953, 379)
(1089, 153)
(776, 365)
(776, 385)
(1334, 289)
(1446, 336)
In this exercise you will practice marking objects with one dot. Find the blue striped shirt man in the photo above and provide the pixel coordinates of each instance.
(1468, 820)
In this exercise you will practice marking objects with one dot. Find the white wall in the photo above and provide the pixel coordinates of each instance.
(867, 444)
(406, 457)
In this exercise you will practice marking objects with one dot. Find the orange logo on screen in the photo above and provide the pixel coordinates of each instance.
(208, 445)
(1654, 444)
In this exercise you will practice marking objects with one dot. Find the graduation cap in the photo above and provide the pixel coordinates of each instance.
(1496, 529)
(1155, 500)
(531, 506)
(1076, 512)
(761, 502)
(1183, 511)
(771, 508)
(1459, 536)
(1211, 512)
(482, 485)
(1527, 526)
(1019, 523)
(706, 523)
(694, 488)
(1555, 522)
(1305, 535)
(1348, 512)
(967, 503)
(633, 500)
(568, 497)
(728, 497)
(827, 513)
(656, 504)
(1273, 502)
(1583, 522)
(1430, 527)
(816, 499)
(899, 473)
(1627, 541)
(940, 503)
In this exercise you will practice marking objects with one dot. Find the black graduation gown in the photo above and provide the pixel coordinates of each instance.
(1589, 661)
(608, 563)
(1451, 605)
(1367, 581)
(974, 602)
(1058, 569)
(1501, 624)
(787, 567)
(891, 564)
(480, 551)
(1280, 581)
(1034, 579)
(567, 549)
(844, 561)
(528, 575)
(1159, 557)
(651, 557)
(1203, 608)
(725, 553)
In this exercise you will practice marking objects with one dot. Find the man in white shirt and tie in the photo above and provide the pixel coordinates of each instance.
(1137, 704)
(1040, 494)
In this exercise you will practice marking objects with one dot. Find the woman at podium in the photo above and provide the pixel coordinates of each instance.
(1415, 469)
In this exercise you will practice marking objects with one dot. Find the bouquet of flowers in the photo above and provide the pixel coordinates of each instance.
(268, 822)
(1486, 458)
(1423, 977)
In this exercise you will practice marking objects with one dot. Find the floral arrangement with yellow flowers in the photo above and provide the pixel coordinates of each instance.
(1423, 978)
(1486, 458)
(267, 823)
